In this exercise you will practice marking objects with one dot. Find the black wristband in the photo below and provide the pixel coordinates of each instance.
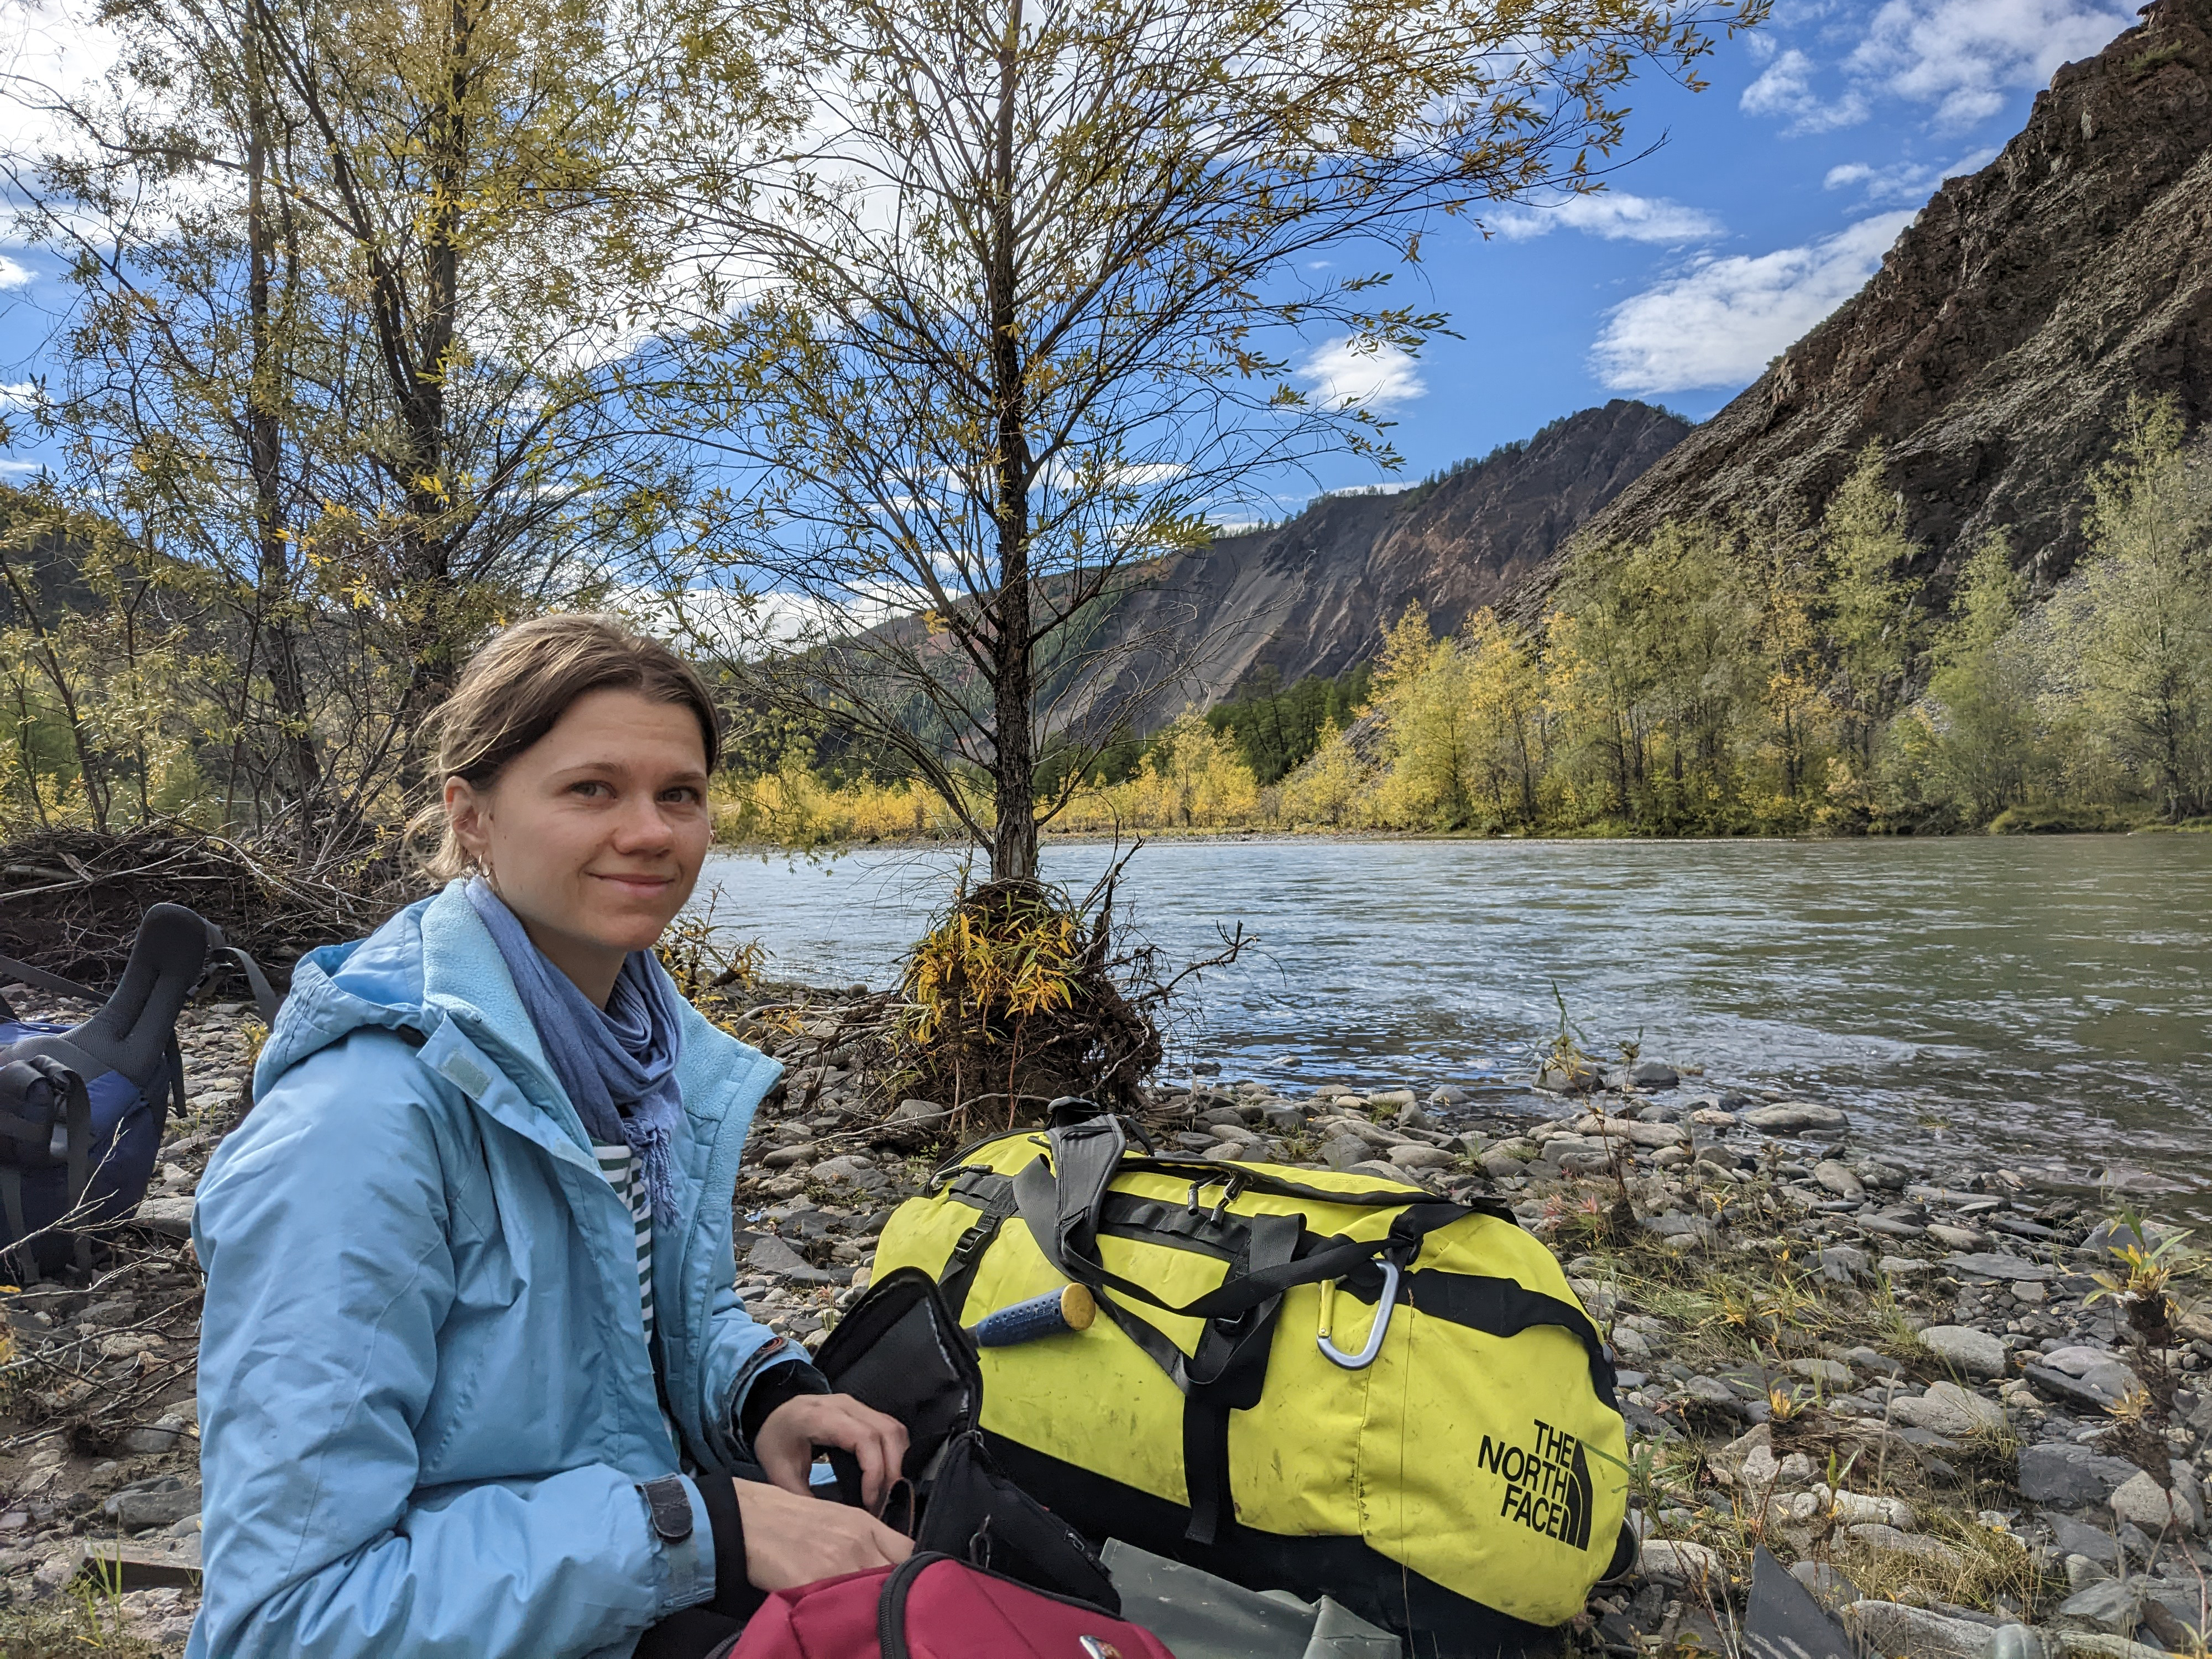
(773, 1388)
(734, 1594)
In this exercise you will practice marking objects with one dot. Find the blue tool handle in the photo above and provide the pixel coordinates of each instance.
(1070, 1309)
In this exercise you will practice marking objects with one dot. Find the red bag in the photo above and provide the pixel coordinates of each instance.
(934, 1606)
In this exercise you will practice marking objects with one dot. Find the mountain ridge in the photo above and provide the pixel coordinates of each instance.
(1311, 596)
(1994, 351)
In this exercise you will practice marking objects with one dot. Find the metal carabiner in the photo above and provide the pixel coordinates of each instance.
(1230, 1185)
(1366, 1357)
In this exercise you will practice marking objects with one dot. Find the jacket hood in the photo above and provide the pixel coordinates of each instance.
(433, 961)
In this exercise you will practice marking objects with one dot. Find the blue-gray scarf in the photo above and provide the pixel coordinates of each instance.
(616, 1064)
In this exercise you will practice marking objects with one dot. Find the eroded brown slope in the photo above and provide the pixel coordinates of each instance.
(1997, 345)
(1312, 596)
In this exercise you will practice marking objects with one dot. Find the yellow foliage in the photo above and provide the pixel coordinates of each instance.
(1011, 957)
(792, 807)
(1328, 788)
(1193, 778)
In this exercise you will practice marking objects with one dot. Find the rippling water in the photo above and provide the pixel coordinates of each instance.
(2037, 996)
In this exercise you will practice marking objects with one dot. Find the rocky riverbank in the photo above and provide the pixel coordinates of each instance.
(1907, 1381)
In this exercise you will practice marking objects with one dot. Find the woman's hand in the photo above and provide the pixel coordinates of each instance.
(784, 1447)
(792, 1541)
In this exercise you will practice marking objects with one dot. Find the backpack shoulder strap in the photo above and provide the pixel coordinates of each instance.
(40, 979)
(265, 1000)
(62, 1134)
(1085, 1153)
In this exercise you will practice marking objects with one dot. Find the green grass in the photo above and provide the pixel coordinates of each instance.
(2058, 820)
(84, 1623)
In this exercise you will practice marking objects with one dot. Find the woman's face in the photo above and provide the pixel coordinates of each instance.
(594, 835)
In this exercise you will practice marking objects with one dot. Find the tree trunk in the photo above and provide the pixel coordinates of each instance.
(1013, 770)
(272, 595)
(429, 600)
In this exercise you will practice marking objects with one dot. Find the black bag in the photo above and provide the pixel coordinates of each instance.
(900, 1352)
(83, 1106)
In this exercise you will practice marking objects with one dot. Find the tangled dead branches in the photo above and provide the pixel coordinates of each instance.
(1017, 995)
(70, 900)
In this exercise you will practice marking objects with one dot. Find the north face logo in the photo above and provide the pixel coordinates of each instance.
(1547, 1485)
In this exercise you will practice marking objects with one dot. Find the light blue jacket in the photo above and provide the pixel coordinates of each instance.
(425, 1396)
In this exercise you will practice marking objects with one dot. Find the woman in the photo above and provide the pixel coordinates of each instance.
(473, 1378)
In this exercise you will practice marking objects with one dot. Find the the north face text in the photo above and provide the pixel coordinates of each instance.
(1547, 1484)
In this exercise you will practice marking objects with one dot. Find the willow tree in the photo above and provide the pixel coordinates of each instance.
(2136, 628)
(350, 280)
(1027, 309)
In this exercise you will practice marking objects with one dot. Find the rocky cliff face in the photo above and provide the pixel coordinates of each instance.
(1313, 596)
(1997, 345)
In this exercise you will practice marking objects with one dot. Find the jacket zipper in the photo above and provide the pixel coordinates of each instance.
(891, 1604)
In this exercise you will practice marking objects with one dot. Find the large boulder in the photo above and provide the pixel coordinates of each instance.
(1891, 1627)
(2068, 1477)
(1790, 1116)
(1976, 1353)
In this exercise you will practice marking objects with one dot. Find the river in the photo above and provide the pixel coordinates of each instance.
(2046, 998)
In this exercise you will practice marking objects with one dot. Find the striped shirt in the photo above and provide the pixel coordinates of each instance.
(619, 1165)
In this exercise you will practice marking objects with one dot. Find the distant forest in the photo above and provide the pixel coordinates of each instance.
(1719, 678)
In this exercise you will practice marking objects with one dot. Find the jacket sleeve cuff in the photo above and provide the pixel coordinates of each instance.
(776, 1385)
(734, 1594)
(687, 1564)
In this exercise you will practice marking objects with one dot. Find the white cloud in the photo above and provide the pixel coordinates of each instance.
(1089, 473)
(1614, 214)
(1720, 324)
(54, 47)
(13, 273)
(21, 468)
(1964, 58)
(1351, 371)
(1785, 88)
(1902, 181)
(1965, 55)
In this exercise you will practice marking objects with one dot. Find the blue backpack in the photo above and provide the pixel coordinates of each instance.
(83, 1106)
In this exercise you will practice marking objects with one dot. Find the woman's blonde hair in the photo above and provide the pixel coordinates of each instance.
(519, 684)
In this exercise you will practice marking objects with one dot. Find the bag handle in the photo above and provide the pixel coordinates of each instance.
(1057, 1218)
(1061, 1211)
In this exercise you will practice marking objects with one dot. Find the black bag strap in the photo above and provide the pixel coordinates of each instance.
(1505, 1307)
(22, 1263)
(1231, 1362)
(266, 999)
(1085, 1157)
(77, 1154)
(169, 1096)
(1043, 1208)
(20, 1082)
(960, 1267)
(40, 979)
(62, 1134)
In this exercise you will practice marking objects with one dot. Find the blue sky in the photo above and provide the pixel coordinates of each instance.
(1769, 200)
(1773, 197)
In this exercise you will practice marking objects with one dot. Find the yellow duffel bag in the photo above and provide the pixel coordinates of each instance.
(1299, 1380)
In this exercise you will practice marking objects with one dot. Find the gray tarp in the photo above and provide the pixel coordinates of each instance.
(1202, 1617)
